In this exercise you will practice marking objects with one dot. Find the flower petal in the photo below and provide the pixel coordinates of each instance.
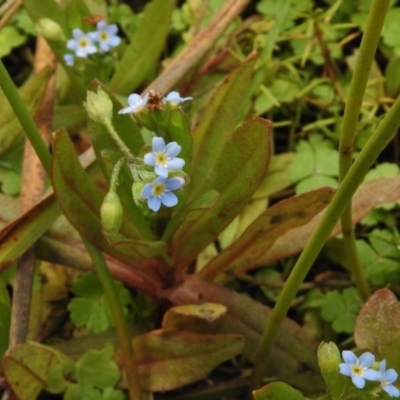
(150, 159)
(154, 203)
(161, 171)
(158, 144)
(345, 369)
(349, 357)
(371, 375)
(176, 163)
(174, 183)
(358, 381)
(391, 375)
(169, 199)
(173, 149)
(366, 359)
(391, 390)
(146, 192)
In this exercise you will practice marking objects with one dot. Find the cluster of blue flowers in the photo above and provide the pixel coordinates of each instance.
(100, 40)
(359, 369)
(163, 157)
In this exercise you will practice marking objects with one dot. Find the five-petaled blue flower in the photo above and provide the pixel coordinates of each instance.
(136, 103)
(358, 368)
(386, 378)
(82, 44)
(175, 98)
(160, 192)
(106, 35)
(163, 157)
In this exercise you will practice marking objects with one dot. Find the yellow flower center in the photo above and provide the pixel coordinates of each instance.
(357, 370)
(161, 158)
(104, 36)
(158, 189)
(83, 43)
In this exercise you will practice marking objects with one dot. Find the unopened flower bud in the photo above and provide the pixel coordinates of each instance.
(111, 213)
(49, 29)
(99, 106)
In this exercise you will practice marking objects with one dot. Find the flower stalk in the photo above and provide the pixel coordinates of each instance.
(124, 337)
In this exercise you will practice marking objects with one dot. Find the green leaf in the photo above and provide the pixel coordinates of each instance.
(378, 327)
(90, 309)
(277, 391)
(145, 48)
(380, 257)
(255, 241)
(98, 369)
(341, 309)
(391, 29)
(314, 164)
(10, 37)
(164, 357)
(249, 147)
(46, 9)
(295, 349)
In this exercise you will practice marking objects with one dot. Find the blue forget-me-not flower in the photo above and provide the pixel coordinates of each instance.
(106, 35)
(82, 44)
(163, 157)
(386, 378)
(358, 368)
(160, 192)
(136, 103)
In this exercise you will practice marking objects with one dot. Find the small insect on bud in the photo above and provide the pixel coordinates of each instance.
(99, 106)
(111, 213)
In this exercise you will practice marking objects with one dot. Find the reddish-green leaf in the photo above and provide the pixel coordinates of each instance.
(216, 127)
(26, 368)
(235, 173)
(263, 232)
(168, 360)
(368, 196)
(378, 327)
(294, 354)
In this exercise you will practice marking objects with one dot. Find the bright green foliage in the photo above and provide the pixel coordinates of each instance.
(380, 257)
(391, 30)
(10, 37)
(341, 309)
(90, 309)
(277, 391)
(315, 164)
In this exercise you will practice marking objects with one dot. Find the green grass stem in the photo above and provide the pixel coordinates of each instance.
(365, 58)
(25, 119)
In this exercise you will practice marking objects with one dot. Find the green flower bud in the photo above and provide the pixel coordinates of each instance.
(329, 359)
(99, 106)
(111, 213)
(49, 29)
